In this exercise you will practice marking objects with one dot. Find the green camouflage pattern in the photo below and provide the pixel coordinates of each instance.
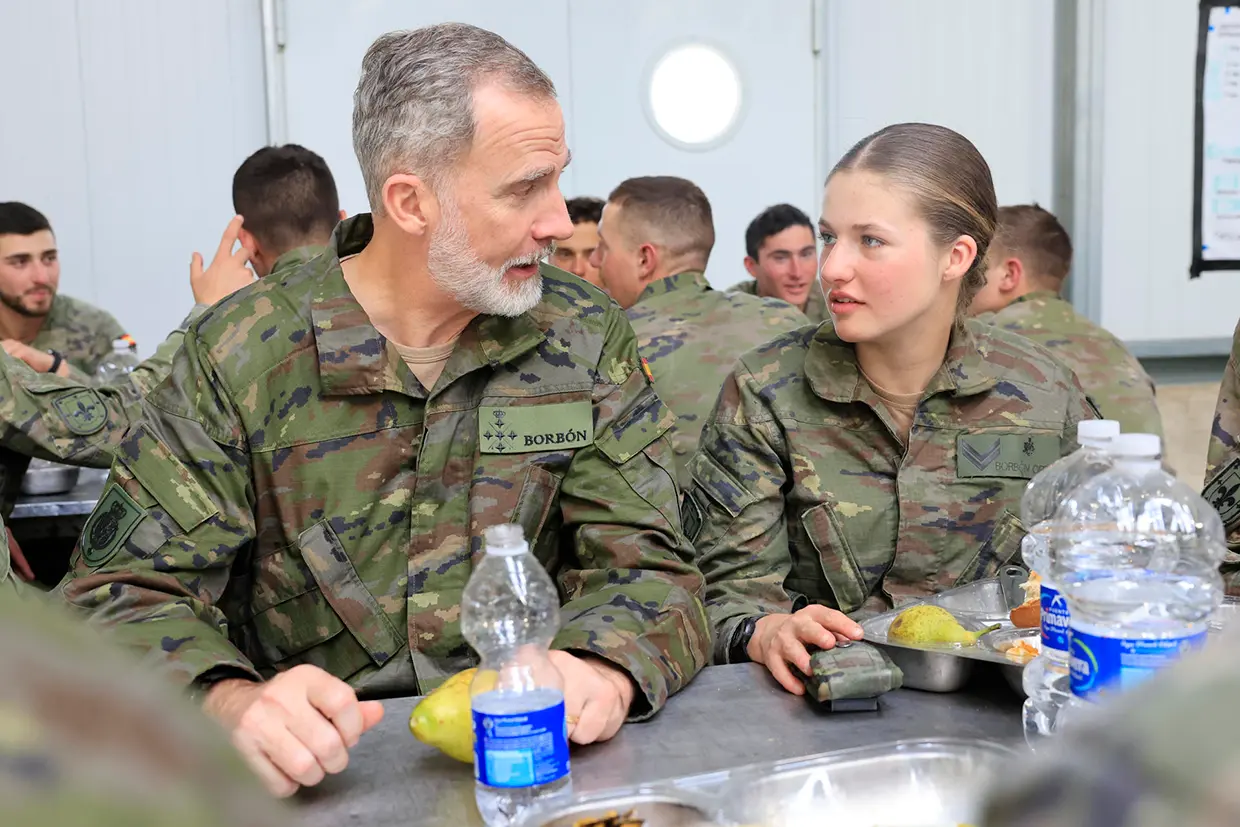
(294, 495)
(1222, 489)
(1110, 374)
(691, 336)
(815, 306)
(807, 495)
(1155, 756)
(81, 332)
(158, 365)
(854, 670)
(88, 738)
(76, 421)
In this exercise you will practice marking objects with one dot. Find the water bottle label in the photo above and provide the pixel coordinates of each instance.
(523, 750)
(1111, 664)
(1054, 619)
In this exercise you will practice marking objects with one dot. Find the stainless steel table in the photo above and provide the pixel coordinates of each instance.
(729, 716)
(81, 500)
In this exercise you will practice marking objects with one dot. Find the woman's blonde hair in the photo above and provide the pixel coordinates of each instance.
(950, 183)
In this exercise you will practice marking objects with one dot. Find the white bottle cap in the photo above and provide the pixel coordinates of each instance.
(1091, 431)
(1136, 446)
(505, 540)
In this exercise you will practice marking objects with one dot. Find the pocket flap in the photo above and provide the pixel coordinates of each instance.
(345, 592)
(838, 565)
(166, 478)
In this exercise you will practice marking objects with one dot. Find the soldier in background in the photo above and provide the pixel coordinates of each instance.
(655, 240)
(576, 253)
(1027, 266)
(293, 520)
(50, 331)
(782, 257)
(882, 455)
(1222, 488)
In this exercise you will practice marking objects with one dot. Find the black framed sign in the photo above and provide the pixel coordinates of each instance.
(1216, 165)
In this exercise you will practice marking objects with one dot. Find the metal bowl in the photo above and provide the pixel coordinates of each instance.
(654, 809)
(43, 478)
(906, 784)
(1001, 640)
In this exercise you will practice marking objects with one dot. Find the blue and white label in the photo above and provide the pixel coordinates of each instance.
(1054, 619)
(522, 750)
(1113, 664)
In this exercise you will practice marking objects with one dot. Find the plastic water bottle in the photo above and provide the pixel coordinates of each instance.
(510, 613)
(1046, 680)
(1136, 553)
(120, 362)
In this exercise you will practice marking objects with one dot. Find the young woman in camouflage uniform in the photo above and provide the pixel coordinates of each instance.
(881, 455)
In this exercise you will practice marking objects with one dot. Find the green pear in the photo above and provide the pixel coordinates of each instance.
(932, 625)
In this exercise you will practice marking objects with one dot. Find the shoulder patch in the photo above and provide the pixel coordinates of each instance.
(113, 520)
(82, 411)
(1223, 492)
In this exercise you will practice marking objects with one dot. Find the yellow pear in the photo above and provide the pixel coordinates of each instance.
(444, 720)
(931, 625)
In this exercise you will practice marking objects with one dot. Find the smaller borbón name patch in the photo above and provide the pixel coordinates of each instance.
(520, 429)
(1005, 455)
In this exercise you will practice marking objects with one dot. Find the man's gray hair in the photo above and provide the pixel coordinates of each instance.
(413, 110)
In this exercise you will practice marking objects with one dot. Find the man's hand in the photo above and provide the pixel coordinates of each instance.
(597, 696)
(18, 560)
(295, 728)
(227, 272)
(39, 360)
(779, 640)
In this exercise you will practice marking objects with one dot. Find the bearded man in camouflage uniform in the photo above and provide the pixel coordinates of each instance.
(654, 241)
(1026, 268)
(293, 522)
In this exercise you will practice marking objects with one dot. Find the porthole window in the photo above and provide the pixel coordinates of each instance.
(694, 96)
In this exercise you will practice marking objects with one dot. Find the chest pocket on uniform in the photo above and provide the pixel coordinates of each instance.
(835, 557)
(306, 596)
(535, 503)
(998, 550)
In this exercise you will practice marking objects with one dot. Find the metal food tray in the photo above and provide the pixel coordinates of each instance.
(947, 668)
(900, 784)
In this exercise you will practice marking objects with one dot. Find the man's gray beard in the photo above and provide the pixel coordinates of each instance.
(457, 270)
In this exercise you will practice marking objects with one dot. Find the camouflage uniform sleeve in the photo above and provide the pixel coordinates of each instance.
(147, 375)
(55, 418)
(155, 556)
(632, 595)
(1222, 483)
(738, 478)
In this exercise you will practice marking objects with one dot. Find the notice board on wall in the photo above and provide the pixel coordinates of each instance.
(1216, 195)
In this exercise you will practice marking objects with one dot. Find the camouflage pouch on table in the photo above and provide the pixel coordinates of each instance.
(850, 671)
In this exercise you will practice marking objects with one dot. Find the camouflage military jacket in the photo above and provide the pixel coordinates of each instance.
(1222, 488)
(81, 332)
(294, 495)
(803, 493)
(1112, 376)
(815, 306)
(691, 336)
(77, 422)
(152, 370)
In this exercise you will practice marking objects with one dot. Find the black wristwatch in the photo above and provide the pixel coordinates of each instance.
(738, 648)
(57, 359)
